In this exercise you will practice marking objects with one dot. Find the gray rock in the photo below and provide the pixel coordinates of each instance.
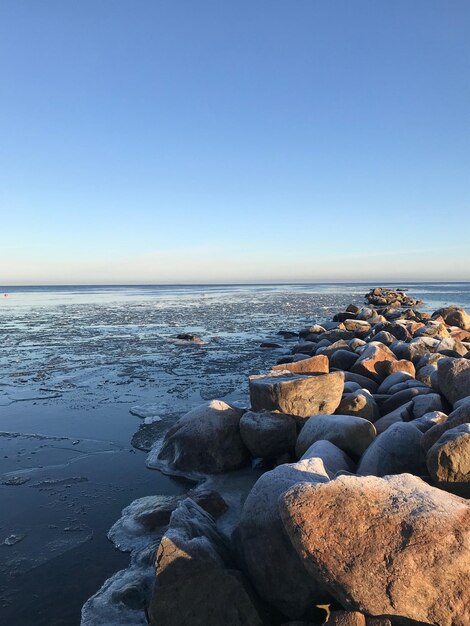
(408, 384)
(361, 404)
(451, 347)
(343, 359)
(268, 434)
(393, 379)
(305, 347)
(448, 460)
(356, 343)
(401, 414)
(334, 459)
(332, 348)
(426, 404)
(272, 564)
(460, 415)
(351, 387)
(363, 381)
(385, 337)
(395, 451)
(454, 378)
(397, 330)
(402, 397)
(428, 376)
(296, 395)
(197, 583)
(352, 434)
(428, 420)
(207, 439)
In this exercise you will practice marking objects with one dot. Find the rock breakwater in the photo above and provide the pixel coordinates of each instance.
(360, 516)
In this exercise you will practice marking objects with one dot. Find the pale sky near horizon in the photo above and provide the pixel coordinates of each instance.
(225, 141)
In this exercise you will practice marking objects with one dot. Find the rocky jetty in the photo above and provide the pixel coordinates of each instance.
(360, 515)
(382, 296)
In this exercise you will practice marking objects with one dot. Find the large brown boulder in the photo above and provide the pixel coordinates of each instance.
(197, 584)
(296, 395)
(374, 362)
(385, 546)
(454, 316)
(268, 557)
(453, 376)
(205, 440)
(313, 365)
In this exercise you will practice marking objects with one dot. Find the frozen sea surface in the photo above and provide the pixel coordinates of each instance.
(75, 362)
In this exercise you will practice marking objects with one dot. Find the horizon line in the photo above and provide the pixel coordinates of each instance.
(238, 283)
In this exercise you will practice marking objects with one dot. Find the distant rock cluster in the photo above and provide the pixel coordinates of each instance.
(382, 296)
(361, 517)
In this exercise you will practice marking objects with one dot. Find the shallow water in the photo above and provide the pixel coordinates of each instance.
(73, 363)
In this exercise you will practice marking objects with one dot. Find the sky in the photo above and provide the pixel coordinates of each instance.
(153, 141)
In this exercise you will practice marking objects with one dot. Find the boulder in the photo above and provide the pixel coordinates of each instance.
(346, 618)
(393, 379)
(384, 337)
(313, 365)
(361, 404)
(453, 376)
(351, 387)
(460, 415)
(433, 329)
(315, 329)
(343, 359)
(427, 403)
(332, 348)
(305, 347)
(448, 460)
(356, 326)
(395, 451)
(398, 330)
(352, 434)
(401, 365)
(268, 558)
(402, 397)
(354, 344)
(190, 338)
(334, 459)
(207, 440)
(454, 316)
(428, 420)
(372, 362)
(335, 334)
(197, 583)
(409, 384)
(296, 395)
(390, 546)
(363, 381)
(268, 434)
(428, 376)
(452, 347)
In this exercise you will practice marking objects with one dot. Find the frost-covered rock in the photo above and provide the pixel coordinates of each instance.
(205, 440)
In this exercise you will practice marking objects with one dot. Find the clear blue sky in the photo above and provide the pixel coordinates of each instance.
(227, 140)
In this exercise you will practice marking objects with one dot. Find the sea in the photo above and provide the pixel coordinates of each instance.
(87, 374)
